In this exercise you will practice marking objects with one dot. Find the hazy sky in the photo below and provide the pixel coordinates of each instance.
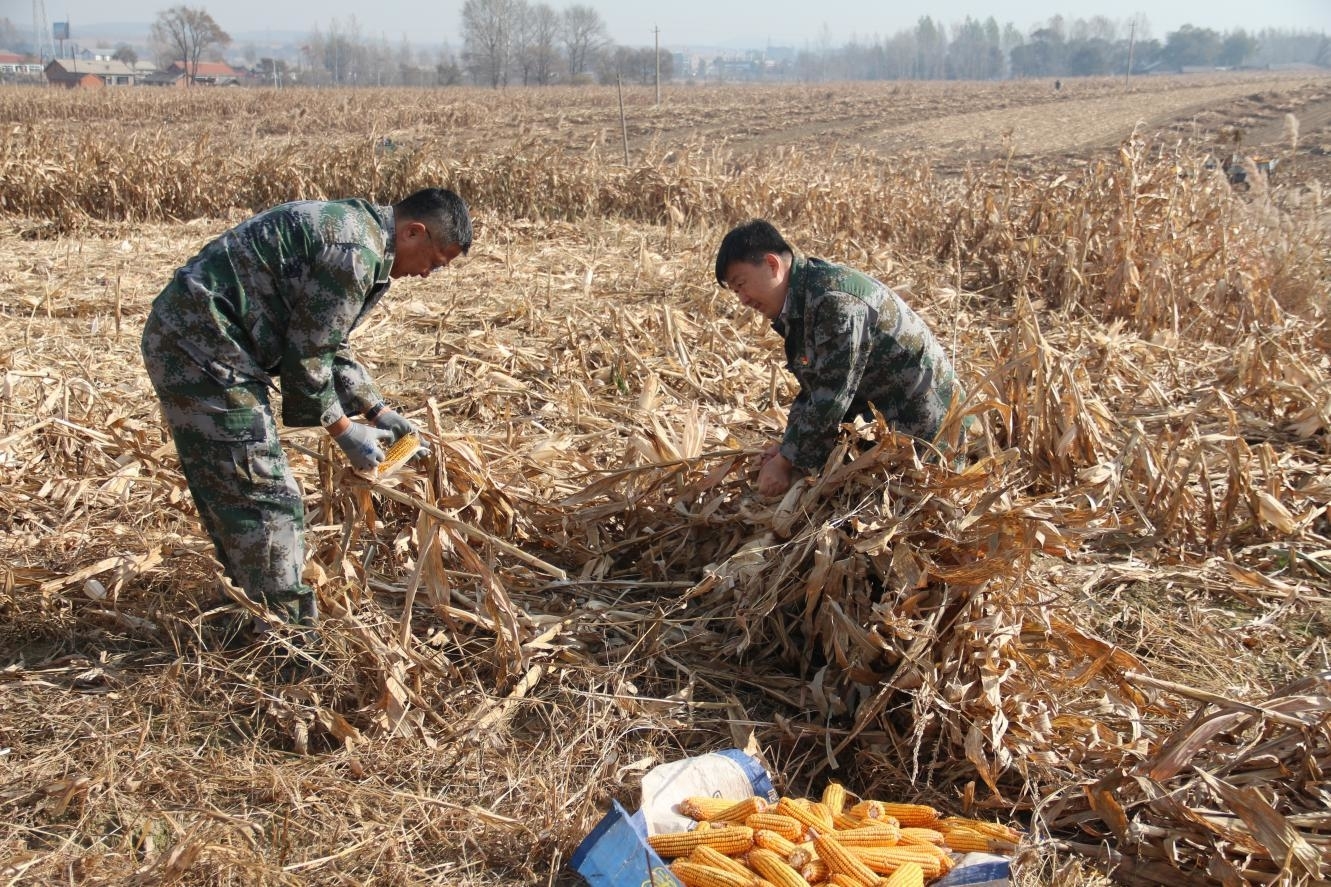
(697, 22)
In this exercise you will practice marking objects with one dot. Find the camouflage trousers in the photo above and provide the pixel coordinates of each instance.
(240, 479)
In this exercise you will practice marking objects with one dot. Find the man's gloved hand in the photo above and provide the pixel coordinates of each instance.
(390, 420)
(363, 445)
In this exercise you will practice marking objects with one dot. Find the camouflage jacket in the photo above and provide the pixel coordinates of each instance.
(852, 342)
(278, 295)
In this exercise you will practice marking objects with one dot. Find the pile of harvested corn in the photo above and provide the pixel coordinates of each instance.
(798, 842)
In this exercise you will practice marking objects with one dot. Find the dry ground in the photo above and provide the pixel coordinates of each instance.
(562, 352)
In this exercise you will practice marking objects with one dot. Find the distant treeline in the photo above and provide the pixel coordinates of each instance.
(984, 50)
(511, 42)
(516, 41)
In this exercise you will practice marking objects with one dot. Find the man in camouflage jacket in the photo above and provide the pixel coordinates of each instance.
(276, 298)
(850, 341)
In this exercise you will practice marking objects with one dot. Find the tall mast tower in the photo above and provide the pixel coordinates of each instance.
(42, 46)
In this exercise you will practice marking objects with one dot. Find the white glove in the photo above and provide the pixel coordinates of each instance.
(390, 420)
(363, 445)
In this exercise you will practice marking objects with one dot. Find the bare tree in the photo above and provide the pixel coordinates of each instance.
(187, 33)
(584, 34)
(487, 35)
(537, 43)
(521, 42)
(635, 64)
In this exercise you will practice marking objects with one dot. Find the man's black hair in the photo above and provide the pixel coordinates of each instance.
(442, 213)
(749, 242)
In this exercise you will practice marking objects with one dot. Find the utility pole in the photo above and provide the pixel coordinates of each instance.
(657, 32)
(1132, 40)
(623, 121)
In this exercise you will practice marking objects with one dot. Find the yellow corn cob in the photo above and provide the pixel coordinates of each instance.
(906, 814)
(742, 810)
(775, 869)
(886, 860)
(834, 796)
(397, 455)
(868, 810)
(774, 841)
(916, 834)
(704, 855)
(777, 822)
(815, 871)
(992, 829)
(841, 879)
(845, 822)
(877, 835)
(966, 840)
(704, 808)
(823, 812)
(908, 875)
(812, 815)
(730, 840)
(802, 855)
(694, 875)
(841, 859)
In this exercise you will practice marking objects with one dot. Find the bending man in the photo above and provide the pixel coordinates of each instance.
(275, 298)
(850, 342)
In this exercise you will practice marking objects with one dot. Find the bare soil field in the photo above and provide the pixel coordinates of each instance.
(1106, 626)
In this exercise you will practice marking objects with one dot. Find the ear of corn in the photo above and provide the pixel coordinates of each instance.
(703, 808)
(775, 869)
(846, 821)
(398, 454)
(908, 875)
(841, 860)
(786, 826)
(966, 840)
(815, 871)
(710, 856)
(886, 860)
(729, 840)
(883, 834)
(802, 855)
(906, 814)
(813, 816)
(992, 829)
(916, 834)
(694, 875)
(834, 796)
(742, 810)
(774, 841)
(841, 879)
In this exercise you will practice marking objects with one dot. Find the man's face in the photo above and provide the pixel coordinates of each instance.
(417, 254)
(759, 285)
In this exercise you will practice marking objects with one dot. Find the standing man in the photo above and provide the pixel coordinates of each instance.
(277, 297)
(850, 341)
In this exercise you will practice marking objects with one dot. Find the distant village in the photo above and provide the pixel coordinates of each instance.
(90, 71)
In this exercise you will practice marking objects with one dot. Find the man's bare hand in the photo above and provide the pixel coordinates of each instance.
(775, 476)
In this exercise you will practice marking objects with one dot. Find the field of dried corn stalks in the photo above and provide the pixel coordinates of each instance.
(1107, 625)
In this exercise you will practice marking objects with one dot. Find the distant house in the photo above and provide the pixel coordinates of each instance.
(13, 64)
(81, 74)
(163, 78)
(207, 73)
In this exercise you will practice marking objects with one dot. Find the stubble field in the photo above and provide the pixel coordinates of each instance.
(1107, 627)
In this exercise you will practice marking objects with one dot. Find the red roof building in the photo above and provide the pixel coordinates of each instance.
(210, 73)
